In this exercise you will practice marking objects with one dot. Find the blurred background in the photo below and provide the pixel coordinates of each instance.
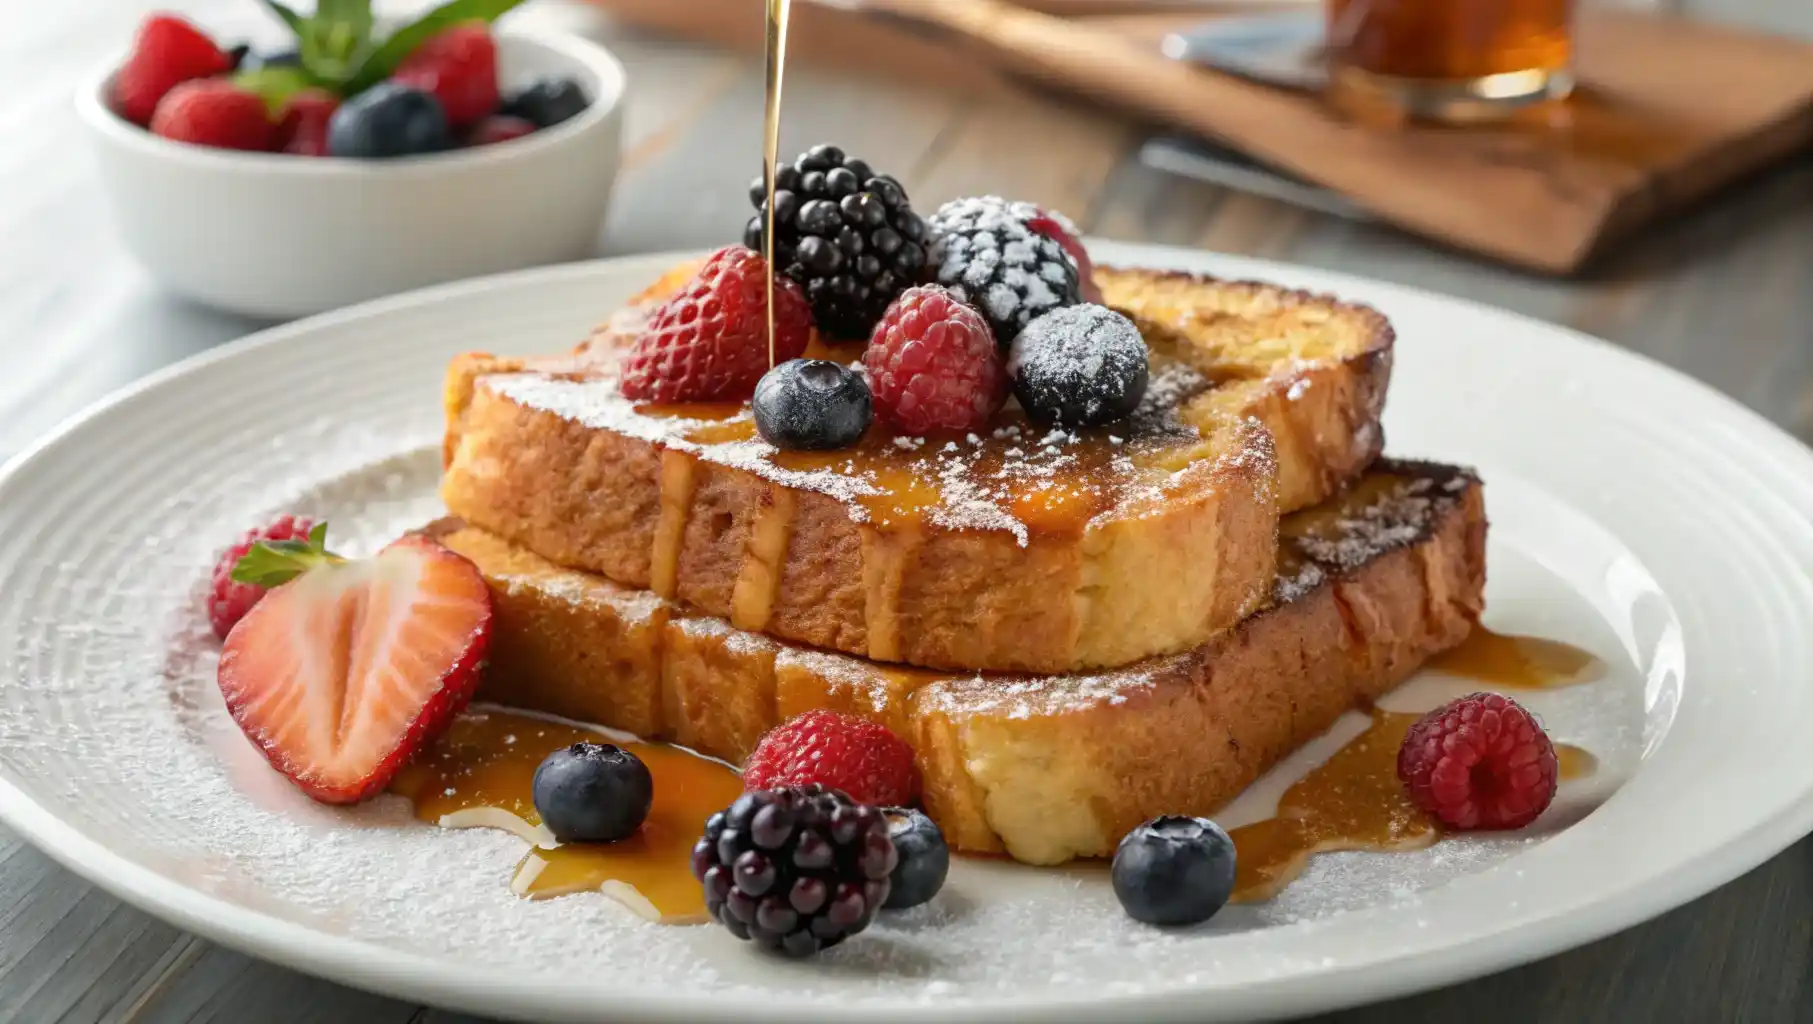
(1667, 207)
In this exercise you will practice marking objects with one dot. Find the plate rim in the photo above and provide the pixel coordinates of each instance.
(429, 979)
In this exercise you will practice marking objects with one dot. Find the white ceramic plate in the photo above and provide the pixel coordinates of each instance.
(1634, 512)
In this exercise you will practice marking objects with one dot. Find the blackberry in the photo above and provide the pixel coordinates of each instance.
(849, 236)
(796, 869)
(1080, 366)
(989, 253)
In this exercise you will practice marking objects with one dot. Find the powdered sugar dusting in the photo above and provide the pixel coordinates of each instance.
(111, 723)
(201, 805)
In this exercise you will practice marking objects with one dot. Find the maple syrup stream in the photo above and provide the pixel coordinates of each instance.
(776, 44)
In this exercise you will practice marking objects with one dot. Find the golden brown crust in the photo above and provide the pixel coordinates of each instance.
(1041, 768)
(1323, 412)
(629, 497)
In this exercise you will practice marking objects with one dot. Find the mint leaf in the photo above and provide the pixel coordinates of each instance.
(271, 563)
(354, 15)
(288, 16)
(384, 58)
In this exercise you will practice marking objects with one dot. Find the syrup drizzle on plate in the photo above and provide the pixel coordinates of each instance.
(1352, 801)
(1519, 662)
(479, 774)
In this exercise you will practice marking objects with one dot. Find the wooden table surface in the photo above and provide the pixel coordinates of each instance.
(1725, 294)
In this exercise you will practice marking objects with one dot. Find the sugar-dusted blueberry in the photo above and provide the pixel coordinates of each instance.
(1174, 871)
(1079, 366)
(923, 858)
(812, 404)
(593, 793)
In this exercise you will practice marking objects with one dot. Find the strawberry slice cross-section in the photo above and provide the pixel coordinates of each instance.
(342, 673)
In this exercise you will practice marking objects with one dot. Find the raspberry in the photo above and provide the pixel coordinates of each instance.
(459, 66)
(229, 601)
(167, 52)
(710, 341)
(303, 130)
(1057, 227)
(933, 363)
(215, 112)
(1480, 762)
(861, 758)
(498, 128)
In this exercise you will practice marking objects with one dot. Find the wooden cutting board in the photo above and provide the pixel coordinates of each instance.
(1668, 110)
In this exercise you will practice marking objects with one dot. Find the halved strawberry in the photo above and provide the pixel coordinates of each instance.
(341, 674)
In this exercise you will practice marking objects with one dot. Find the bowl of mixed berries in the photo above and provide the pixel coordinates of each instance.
(356, 158)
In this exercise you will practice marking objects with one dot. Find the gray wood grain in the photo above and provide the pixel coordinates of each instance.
(1725, 294)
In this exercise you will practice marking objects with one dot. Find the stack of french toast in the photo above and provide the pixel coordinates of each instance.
(1075, 629)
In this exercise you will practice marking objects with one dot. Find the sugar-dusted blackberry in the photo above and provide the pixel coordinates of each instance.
(989, 251)
(796, 869)
(849, 236)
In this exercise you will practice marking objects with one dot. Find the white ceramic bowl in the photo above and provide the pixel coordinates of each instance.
(280, 236)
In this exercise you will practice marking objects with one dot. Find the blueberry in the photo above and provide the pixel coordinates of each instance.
(1079, 366)
(812, 403)
(546, 101)
(924, 858)
(1174, 871)
(592, 793)
(388, 120)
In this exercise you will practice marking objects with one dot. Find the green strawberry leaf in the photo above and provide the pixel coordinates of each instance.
(271, 563)
(274, 85)
(384, 58)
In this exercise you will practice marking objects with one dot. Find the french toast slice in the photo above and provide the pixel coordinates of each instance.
(1024, 550)
(1043, 768)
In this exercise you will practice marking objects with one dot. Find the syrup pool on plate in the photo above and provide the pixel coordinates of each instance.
(1352, 801)
(1520, 662)
(479, 775)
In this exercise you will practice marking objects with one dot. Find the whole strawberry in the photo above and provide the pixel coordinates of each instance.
(459, 66)
(710, 341)
(933, 363)
(230, 600)
(867, 762)
(215, 112)
(166, 52)
(303, 130)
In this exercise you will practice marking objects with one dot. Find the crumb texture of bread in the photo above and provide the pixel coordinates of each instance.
(1027, 550)
(1043, 768)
